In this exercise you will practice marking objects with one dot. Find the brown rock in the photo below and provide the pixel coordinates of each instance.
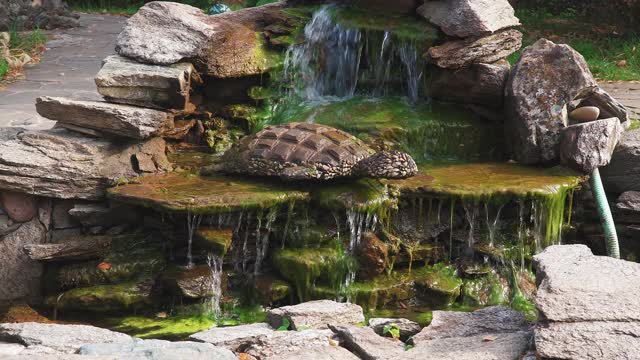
(585, 114)
(460, 53)
(372, 256)
(19, 207)
(609, 107)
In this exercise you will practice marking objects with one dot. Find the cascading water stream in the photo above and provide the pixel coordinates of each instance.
(193, 222)
(262, 242)
(492, 226)
(215, 265)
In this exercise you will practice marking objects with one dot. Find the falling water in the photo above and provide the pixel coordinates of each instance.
(193, 222)
(521, 232)
(413, 70)
(492, 226)
(471, 214)
(262, 242)
(215, 266)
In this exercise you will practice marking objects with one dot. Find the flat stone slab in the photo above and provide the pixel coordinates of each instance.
(503, 346)
(120, 120)
(181, 192)
(125, 81)
(157, 350)
(578, 286)
(62, 164)
(234, 337)
(589, 340)
(316, 314)
(283, 343)
(460, 53)
(623, 172)
(329, 352)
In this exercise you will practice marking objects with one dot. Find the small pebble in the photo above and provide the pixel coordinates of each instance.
(585, 114)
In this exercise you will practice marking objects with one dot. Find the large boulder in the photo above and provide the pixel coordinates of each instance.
(62, 164)
(541, 85)
(590, 304)
(465, 18)
(19, 275)
(481, 84)
(234, 338)
(114, 119)
(623, 172)
(587, 146)
(124, 81)
(223, 46)
(460, 53)
(316, 314)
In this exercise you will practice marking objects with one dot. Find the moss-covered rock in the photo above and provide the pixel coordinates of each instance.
(126, 297)
(217, 241)
(194, 282)
(438, 285)
(488, 290)
(271, 290)
(383, 291)
(164, 327)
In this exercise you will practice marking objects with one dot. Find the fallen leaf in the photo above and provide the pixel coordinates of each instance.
(489, 338)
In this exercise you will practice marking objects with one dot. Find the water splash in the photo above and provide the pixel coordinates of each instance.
(215, 266)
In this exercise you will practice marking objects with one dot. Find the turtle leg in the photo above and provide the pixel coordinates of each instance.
(299, 173)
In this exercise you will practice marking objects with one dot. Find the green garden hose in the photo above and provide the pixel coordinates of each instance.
(610, 235)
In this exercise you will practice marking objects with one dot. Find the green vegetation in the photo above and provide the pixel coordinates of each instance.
(21, 49)
(4, 67)
(611, 56)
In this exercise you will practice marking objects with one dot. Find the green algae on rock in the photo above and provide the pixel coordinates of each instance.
(167, 328)
(130, 296)
(176, 192)
(363, 195)
(215, 240)
(487, 290)
(438, 285)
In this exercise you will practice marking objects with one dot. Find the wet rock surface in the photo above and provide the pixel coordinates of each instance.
(590, 305)
(587, 146)
(541, 85)
(119, 120)
(461, 53)
(60, 164)
(316, 314)
(464, 18)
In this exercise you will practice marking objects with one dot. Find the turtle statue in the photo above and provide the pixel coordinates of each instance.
(306, 151)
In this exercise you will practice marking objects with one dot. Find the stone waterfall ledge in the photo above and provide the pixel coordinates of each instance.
(119, 120)
(62, 164)
(591, 305)
(125, 81)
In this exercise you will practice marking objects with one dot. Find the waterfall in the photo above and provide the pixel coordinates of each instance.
(193, 222)
(492, 226)
(215, 266)
(471, 214)
(413, 70)
(262, 242)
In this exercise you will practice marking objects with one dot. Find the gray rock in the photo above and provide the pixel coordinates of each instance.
(578, 286)
(481, 84)
(60, 215)
(589, 340)
(461, 53)
(587, 146)
(541, 85)
(585, 114)
(7, 349)
(609, 107)
(157, 350)
(125, 81)
(623, 172)
(222, 46)
(629, 200)
(20, 276)
(316, 314)
(61, 164)
(55, 338)
(283, 343)
(234, 338)
(368, 345)
(100, 214)
(465, 18)
(329, 352)
(501, 346)
(120, 120)
(488, 321)
(7, 226)
(407, 327)
(74, 248)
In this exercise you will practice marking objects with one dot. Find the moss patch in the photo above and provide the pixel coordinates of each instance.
(105, 298)
(215, 240)
(170, 328)
(438, 285)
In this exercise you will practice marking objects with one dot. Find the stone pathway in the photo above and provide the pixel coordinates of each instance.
(627, 92)
(72, 59)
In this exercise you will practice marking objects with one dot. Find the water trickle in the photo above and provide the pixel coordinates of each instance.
(471, 214)
(262, 242)
(244, 256)
(193, 222)
(492, 226)
(412, 68)
(521, 233)
(215, 266)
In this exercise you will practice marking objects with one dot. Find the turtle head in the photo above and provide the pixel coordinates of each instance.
(391, 164)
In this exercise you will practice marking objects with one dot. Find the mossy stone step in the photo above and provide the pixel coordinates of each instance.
(184, 192)
(438, 285)
(488, 290)
(217, 241)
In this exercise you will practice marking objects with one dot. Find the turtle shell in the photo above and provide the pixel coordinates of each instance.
(298, 150)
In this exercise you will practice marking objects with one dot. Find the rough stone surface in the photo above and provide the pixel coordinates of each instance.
(589, 340)
(120, 120)
(74, 248)
(578, 286)
(330, 352)
(61, 164)
(465, 18)
(541, 85)
(407, 327)
(629, 200)
(158, 350)
(481, 84)
(609, 107)
(20, 207)
(491, 320)
(368, 345)
(19, 275)
(282, 343)
(461, 53)
(60, 215)
(55, 338)
(587, 146)
(585, 114)
(502, 346)
(316, 314)
(234, 337)
(99, 214)
(371, 254)
(623, 172)
(223, 46)
(125, 81)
